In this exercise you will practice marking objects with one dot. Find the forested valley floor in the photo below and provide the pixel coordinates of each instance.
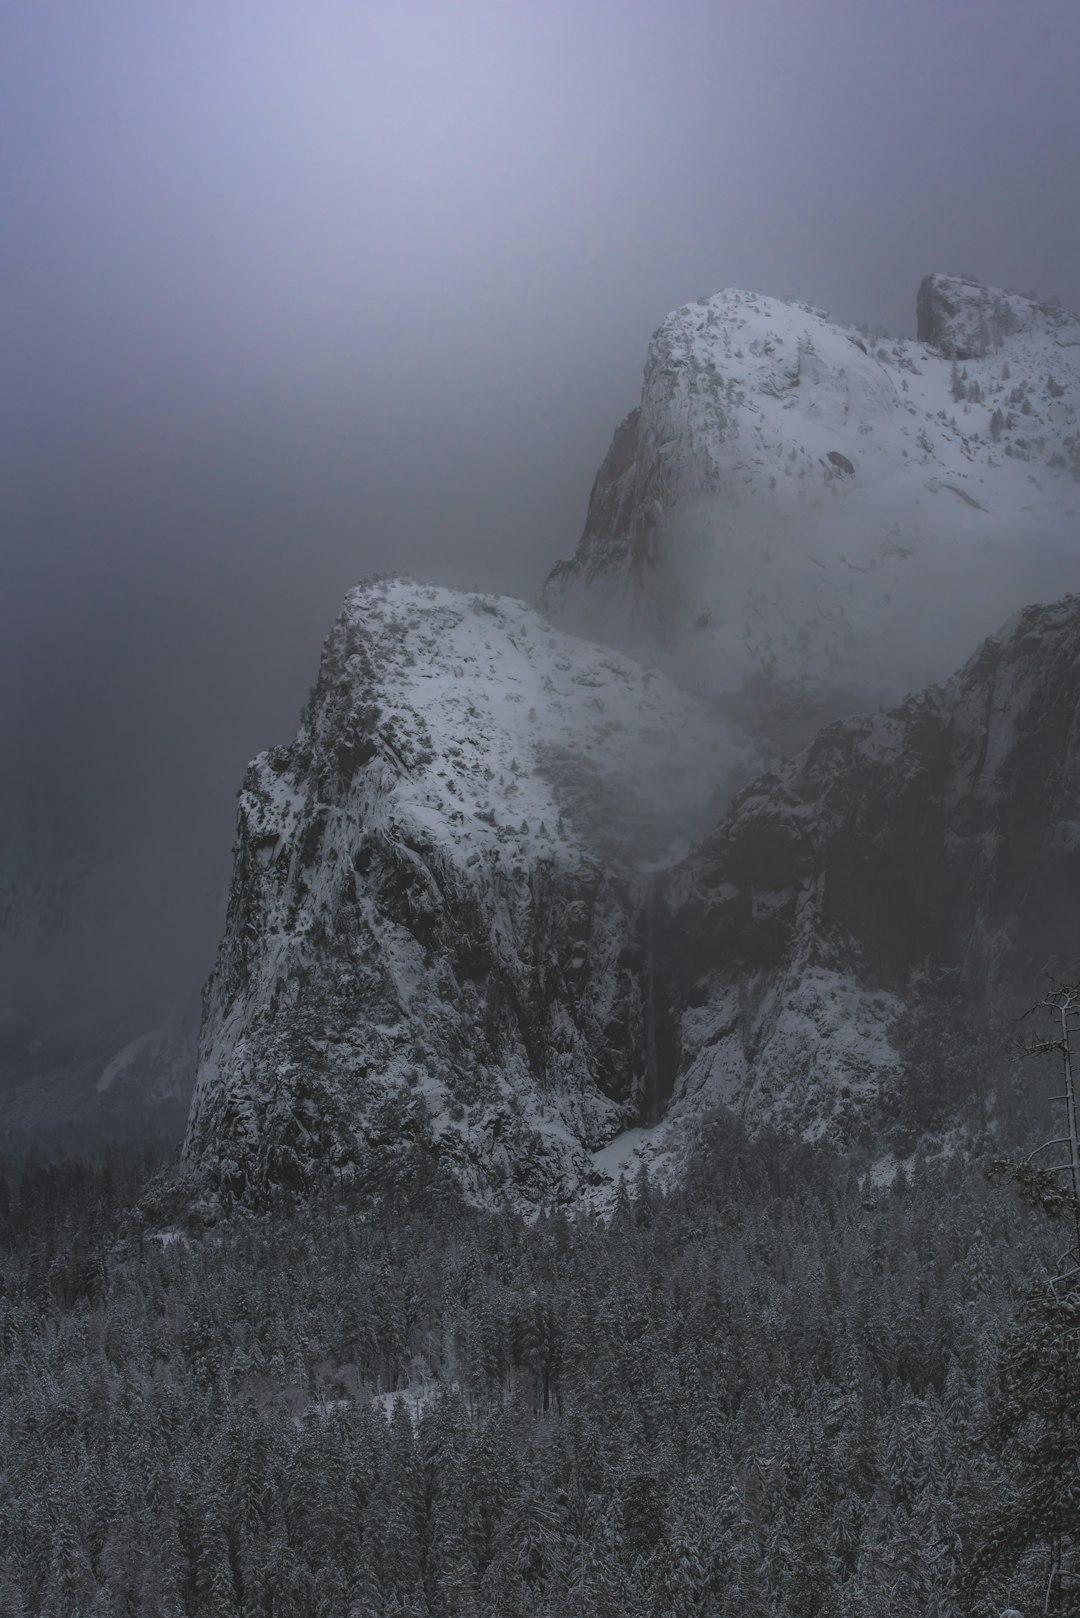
(766, 1393)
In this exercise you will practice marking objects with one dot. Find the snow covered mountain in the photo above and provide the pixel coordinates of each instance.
(804, 520)
(444, 922)
(467, 917)
(532, 907)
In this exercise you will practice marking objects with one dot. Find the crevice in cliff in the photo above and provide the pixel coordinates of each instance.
(659, 1040)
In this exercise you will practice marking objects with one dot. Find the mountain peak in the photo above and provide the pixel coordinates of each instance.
(965, 320)
(439, 922)
(795, 508)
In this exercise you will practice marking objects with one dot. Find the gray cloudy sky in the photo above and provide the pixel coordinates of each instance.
(295, 290)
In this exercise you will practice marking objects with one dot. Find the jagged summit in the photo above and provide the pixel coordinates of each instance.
(794, 506)
(965, 320)
(440, 925)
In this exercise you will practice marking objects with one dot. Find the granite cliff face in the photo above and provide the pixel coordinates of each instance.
(495, 903)
(488, 904)
(938, 842)
(964, 320)
(443, 925)
(800, 515)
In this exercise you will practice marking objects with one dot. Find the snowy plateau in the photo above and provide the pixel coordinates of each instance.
(537, 905)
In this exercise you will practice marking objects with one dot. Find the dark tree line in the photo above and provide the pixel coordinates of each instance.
(764, 1394)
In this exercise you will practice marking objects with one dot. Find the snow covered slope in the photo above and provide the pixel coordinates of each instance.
(794, 506)
(442, 923)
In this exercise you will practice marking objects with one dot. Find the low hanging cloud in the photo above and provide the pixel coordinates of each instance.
(296, 294)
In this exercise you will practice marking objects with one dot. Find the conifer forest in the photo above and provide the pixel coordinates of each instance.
(779, 1390)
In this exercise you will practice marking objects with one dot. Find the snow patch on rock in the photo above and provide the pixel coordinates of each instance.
(796, 505)
(437, 928)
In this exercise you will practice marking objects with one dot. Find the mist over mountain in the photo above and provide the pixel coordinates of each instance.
(550, 1135)
(800, 515)
(511, 897)
(366, 289)
(797, 522)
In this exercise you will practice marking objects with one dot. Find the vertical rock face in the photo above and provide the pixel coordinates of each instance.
(439, 930)
(796, 511)
(608, 538)
(965, 320)
(938, 839)
(466, 919)
(495, 903)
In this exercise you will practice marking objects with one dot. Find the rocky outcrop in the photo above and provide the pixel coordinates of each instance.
(442, 932)
(489, 908)
(469, 919)
(799, 512)
(965, 320)
(940, 840)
